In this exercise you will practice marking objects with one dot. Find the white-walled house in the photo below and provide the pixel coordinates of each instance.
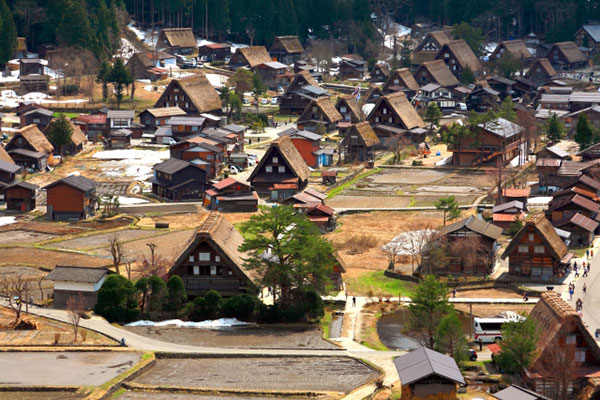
(70, 281)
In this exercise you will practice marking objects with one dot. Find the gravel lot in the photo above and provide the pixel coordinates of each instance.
(20, 237)
(407, 176)
(49, 369)
(339, 374)
(95, 241)
(48, 258)
(39, 396)
(242, 337)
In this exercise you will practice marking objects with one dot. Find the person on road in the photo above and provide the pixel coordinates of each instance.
(584, 288)
(587, 254)
(525, 298)
(353, 301)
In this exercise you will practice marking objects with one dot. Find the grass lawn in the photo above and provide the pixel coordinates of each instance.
(339, 189)
(68, 114)
(377, 283)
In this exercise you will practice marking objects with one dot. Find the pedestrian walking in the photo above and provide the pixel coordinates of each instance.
(570, 294)
(584, 288)
(587, 253)
(576, 274)
(353, 301)
(525, 298)
(585, 272)
(453, 293)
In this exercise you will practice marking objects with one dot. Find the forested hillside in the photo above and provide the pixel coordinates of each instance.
(93, 24)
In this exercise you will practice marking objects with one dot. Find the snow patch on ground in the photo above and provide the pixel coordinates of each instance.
(216, 80)
(130, 162)
(444, 161)
(403, 244)
(124, 200)
(126, 50)
(210, 324)
(7, 220)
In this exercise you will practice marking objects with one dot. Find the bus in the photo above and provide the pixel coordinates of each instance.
(489, 330)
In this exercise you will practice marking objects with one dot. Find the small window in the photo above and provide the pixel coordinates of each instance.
(384, 110)
(580, 356)
(571, 339)
(343, 109)
(523, 249)
(191, 259)
(281, 169)
(196, 270)
(396, 81)
(391, 120)
(217, 258)
(539, 249)
(204, 257)
(275, 160)
(268, 168)
(213, 269)
(531, 236)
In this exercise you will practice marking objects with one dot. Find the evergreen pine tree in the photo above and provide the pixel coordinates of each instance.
(8, 33)
(74, 28)
(467, 77)
(507, 111)
(102, 78)
(120, 77)
(432, 115)
(60, 132)
(584, 136)
(554, 129)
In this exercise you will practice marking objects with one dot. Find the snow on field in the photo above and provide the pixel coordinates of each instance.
(405, 243)
(7, 220)
(211, 324)
(444, 161)
(203, 42)
(8, 98)
(126, 50)
(124, 200)
(130, 162)
(397, 30)
(217, 80)
(12, 77)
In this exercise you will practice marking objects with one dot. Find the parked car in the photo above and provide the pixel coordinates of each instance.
(461, 107)
(264, 101)
(234, 169)
(246, 101)
(189, 64)
(274, 101)
(472, 355)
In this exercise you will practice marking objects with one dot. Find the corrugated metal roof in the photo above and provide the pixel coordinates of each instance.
(514, 392)
(423, 362)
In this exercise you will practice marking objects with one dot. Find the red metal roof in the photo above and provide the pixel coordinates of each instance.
(284, 186)
(506, 217)
(515, 192)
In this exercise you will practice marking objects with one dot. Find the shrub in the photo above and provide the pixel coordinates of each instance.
(217, 63)
(176, 293)
(357, 244)
(417, 163)
(241, 307)
(157, 293)
(116, 299)
(207, 307)
(69, 89)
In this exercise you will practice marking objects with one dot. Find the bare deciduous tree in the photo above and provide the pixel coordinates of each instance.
(155, 264)
(116, 252)
(76, 309)
(471, 252)
(562, 362)
(400, 146)
(14, 287)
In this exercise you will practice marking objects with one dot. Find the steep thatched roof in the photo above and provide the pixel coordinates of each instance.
(404, 78)
(178, 37)
(325, 106)
(570, 51)
(198, 89)
(4, 156)
(385, 71)
(463, 54)
(254, 55)
(366, 133)
(35, 138)
(439, 37)
(290, 44)
(544, 65)
(402, 108)
(350, 101)
(217, 230)
(515, 48)
(554, 243)
(555, 319)
(77, 136)
(291, 155)
(440, 73)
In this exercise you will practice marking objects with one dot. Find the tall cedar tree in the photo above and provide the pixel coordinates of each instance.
(102, 78)
(506, 110)
(287, 251)
(555, 129)
(467, 77)
(518, 345)
(8, 33)
(75, 29)
(450, 337)
(432, 115)
(120, 77)
(60, 132)
(470, 34)
(584, 136)
(429, 305)
(258, 88)
(450, 207)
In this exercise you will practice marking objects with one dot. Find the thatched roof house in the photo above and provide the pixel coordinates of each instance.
(400, 79)
(403, 114)
(194, 95)
(249, 57)
(516, 48)
(177, 39)
(320, 111)
(435, 72)
(458, 55)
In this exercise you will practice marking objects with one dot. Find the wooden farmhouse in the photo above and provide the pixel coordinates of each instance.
(429, 47)
(215, 52)
(358, 145)
(177, 40)
(31, 66)
(30, 148)
(379, 73)
(71, 281)
(274, 74)
(194, 95)
(553, 152)
(401, 80)
(287, 49)
(537, 252)
(349, 109)
(230, 195)
(394, 115)
(71, 198)
(307, 143)
(457, 55)
(352, 68)
(566, 345)
(176, 179)
(78, 140)
(320, 115)
(515, 392)
(281, 172)
(435, 72)
(153, 118)
(39, 116)
(473, 236)
(426, 374)
(497, 139)
(211, 260)
(515, 49)
(566, 56)
(20, 196)
(589, 36)
(303, 89)
(541, 72)
(249, 57)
